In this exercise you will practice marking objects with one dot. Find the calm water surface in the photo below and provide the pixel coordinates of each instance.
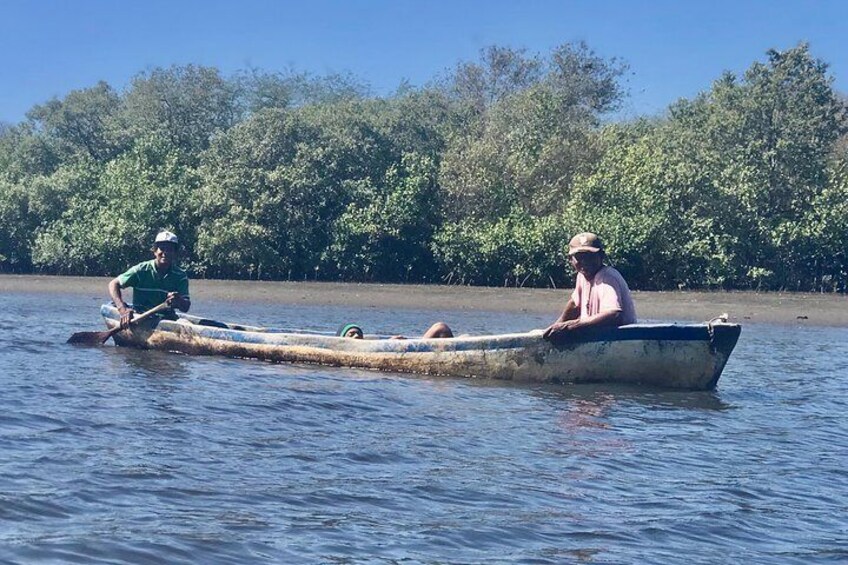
(112, 455)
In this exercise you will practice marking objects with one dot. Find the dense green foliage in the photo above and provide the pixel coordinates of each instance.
(478, 178)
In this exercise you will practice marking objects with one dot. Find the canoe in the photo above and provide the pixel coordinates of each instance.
(681, 356)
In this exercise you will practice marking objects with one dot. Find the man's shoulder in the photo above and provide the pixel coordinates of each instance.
(610, 270)
(178, 272)
(608, 273)
(140, 267)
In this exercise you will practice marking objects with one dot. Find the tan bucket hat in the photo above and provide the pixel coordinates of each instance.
(586, 242)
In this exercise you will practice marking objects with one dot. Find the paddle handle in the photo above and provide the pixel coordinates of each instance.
(140, 317)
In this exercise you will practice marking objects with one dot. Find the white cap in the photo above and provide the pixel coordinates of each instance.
(165, 236)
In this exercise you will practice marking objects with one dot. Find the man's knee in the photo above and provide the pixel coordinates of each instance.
(439, 329)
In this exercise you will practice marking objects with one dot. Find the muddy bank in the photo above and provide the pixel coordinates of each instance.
(775, 308)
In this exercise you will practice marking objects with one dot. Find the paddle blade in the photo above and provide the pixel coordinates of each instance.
(95, 338)
(89, 338)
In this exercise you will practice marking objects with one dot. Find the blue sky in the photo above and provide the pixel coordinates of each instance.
(674, 48)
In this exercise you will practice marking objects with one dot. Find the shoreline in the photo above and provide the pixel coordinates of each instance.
(783, 308)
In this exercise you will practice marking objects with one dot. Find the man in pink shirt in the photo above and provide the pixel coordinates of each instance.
(601, 297)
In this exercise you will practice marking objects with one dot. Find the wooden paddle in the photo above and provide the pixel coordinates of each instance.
(95, 338)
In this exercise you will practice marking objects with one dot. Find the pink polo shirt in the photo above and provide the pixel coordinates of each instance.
(606, 291)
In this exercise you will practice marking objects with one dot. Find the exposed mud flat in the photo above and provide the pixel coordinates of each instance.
(745, 307)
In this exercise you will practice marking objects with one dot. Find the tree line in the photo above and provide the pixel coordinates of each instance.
(479, 177)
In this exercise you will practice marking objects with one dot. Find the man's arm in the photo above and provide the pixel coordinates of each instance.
(178, 301)
(610, 318)
(118, 300)
(570, 312)
(569, 316)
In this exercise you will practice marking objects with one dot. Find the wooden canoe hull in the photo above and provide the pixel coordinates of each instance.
(666, 355)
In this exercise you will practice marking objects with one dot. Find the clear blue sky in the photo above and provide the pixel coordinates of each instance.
(674, 48)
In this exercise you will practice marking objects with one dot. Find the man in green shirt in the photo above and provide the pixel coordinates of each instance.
(154, 282)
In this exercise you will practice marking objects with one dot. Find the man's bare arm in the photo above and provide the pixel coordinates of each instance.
(610, 318)
(570, 312)
(115, 292)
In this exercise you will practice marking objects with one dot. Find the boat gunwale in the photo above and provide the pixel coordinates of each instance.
(705, 331)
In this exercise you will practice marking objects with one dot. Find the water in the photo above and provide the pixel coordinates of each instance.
(111, 455)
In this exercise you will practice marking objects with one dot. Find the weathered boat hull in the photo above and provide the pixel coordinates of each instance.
(675, 356)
